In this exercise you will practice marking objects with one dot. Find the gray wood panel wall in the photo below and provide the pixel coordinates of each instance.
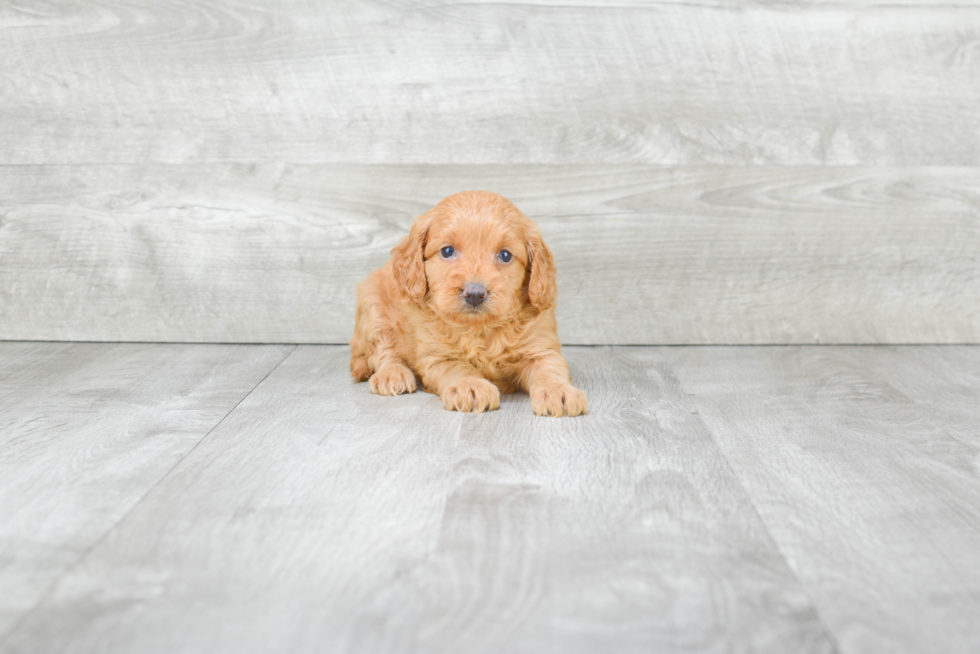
(709, 173)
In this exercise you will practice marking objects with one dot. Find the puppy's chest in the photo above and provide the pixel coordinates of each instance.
(495, 356)
(494, 368)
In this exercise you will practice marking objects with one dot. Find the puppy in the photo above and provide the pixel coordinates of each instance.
(466, 304)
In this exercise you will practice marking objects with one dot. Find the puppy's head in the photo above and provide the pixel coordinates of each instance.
(475, 258)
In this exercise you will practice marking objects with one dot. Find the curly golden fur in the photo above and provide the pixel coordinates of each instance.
(467, 305)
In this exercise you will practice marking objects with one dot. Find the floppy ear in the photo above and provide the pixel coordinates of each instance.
(408, 263)
(542, 287)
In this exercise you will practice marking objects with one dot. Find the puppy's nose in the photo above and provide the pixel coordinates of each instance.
(474, 294)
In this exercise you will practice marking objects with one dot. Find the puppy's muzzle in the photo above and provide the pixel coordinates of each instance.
(475, 294)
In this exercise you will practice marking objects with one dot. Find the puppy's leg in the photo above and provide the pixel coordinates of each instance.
(391, 375)
(374, 351)
(360, 350)
(365, 323)
(460, 386)
(547, 381)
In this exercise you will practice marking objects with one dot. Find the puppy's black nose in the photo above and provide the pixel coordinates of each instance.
(474, 294)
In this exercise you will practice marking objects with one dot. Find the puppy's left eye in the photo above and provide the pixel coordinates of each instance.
(505, 256)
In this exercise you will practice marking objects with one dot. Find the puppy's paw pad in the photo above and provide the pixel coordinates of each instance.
(393, 380)
(471, 394)
(558, 401)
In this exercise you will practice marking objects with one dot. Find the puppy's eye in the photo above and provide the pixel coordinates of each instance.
(447, 252)
(505, 256)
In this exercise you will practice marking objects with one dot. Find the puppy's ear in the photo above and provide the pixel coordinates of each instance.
(542, 287)
(408, 262)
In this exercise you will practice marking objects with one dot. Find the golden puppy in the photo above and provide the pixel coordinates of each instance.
(466, 303)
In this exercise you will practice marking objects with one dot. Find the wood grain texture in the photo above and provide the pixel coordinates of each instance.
(418, 81)
(872, 495)
(85, 431)
(646, 254)
(318, 517)
(942, 381)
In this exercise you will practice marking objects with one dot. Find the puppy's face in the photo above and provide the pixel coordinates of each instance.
(475, 258)
(475, 263)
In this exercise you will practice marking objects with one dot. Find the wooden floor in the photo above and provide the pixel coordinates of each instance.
(251, 498)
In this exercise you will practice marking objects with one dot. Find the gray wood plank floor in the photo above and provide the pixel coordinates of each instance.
(871, 498)
(201, 498)
(86, 431)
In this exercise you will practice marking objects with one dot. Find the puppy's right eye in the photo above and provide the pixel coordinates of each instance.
(447, 252)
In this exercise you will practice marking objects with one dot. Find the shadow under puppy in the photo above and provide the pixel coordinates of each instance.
(467, 303)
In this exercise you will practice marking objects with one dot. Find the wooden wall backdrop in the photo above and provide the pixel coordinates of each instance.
(716, 172)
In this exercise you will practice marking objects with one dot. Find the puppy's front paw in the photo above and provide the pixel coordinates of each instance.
(471, 394)
(393, 380)
(557, 401)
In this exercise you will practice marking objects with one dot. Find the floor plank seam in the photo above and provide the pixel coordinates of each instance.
(95, 544)
(831, 636)
(762, 521)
